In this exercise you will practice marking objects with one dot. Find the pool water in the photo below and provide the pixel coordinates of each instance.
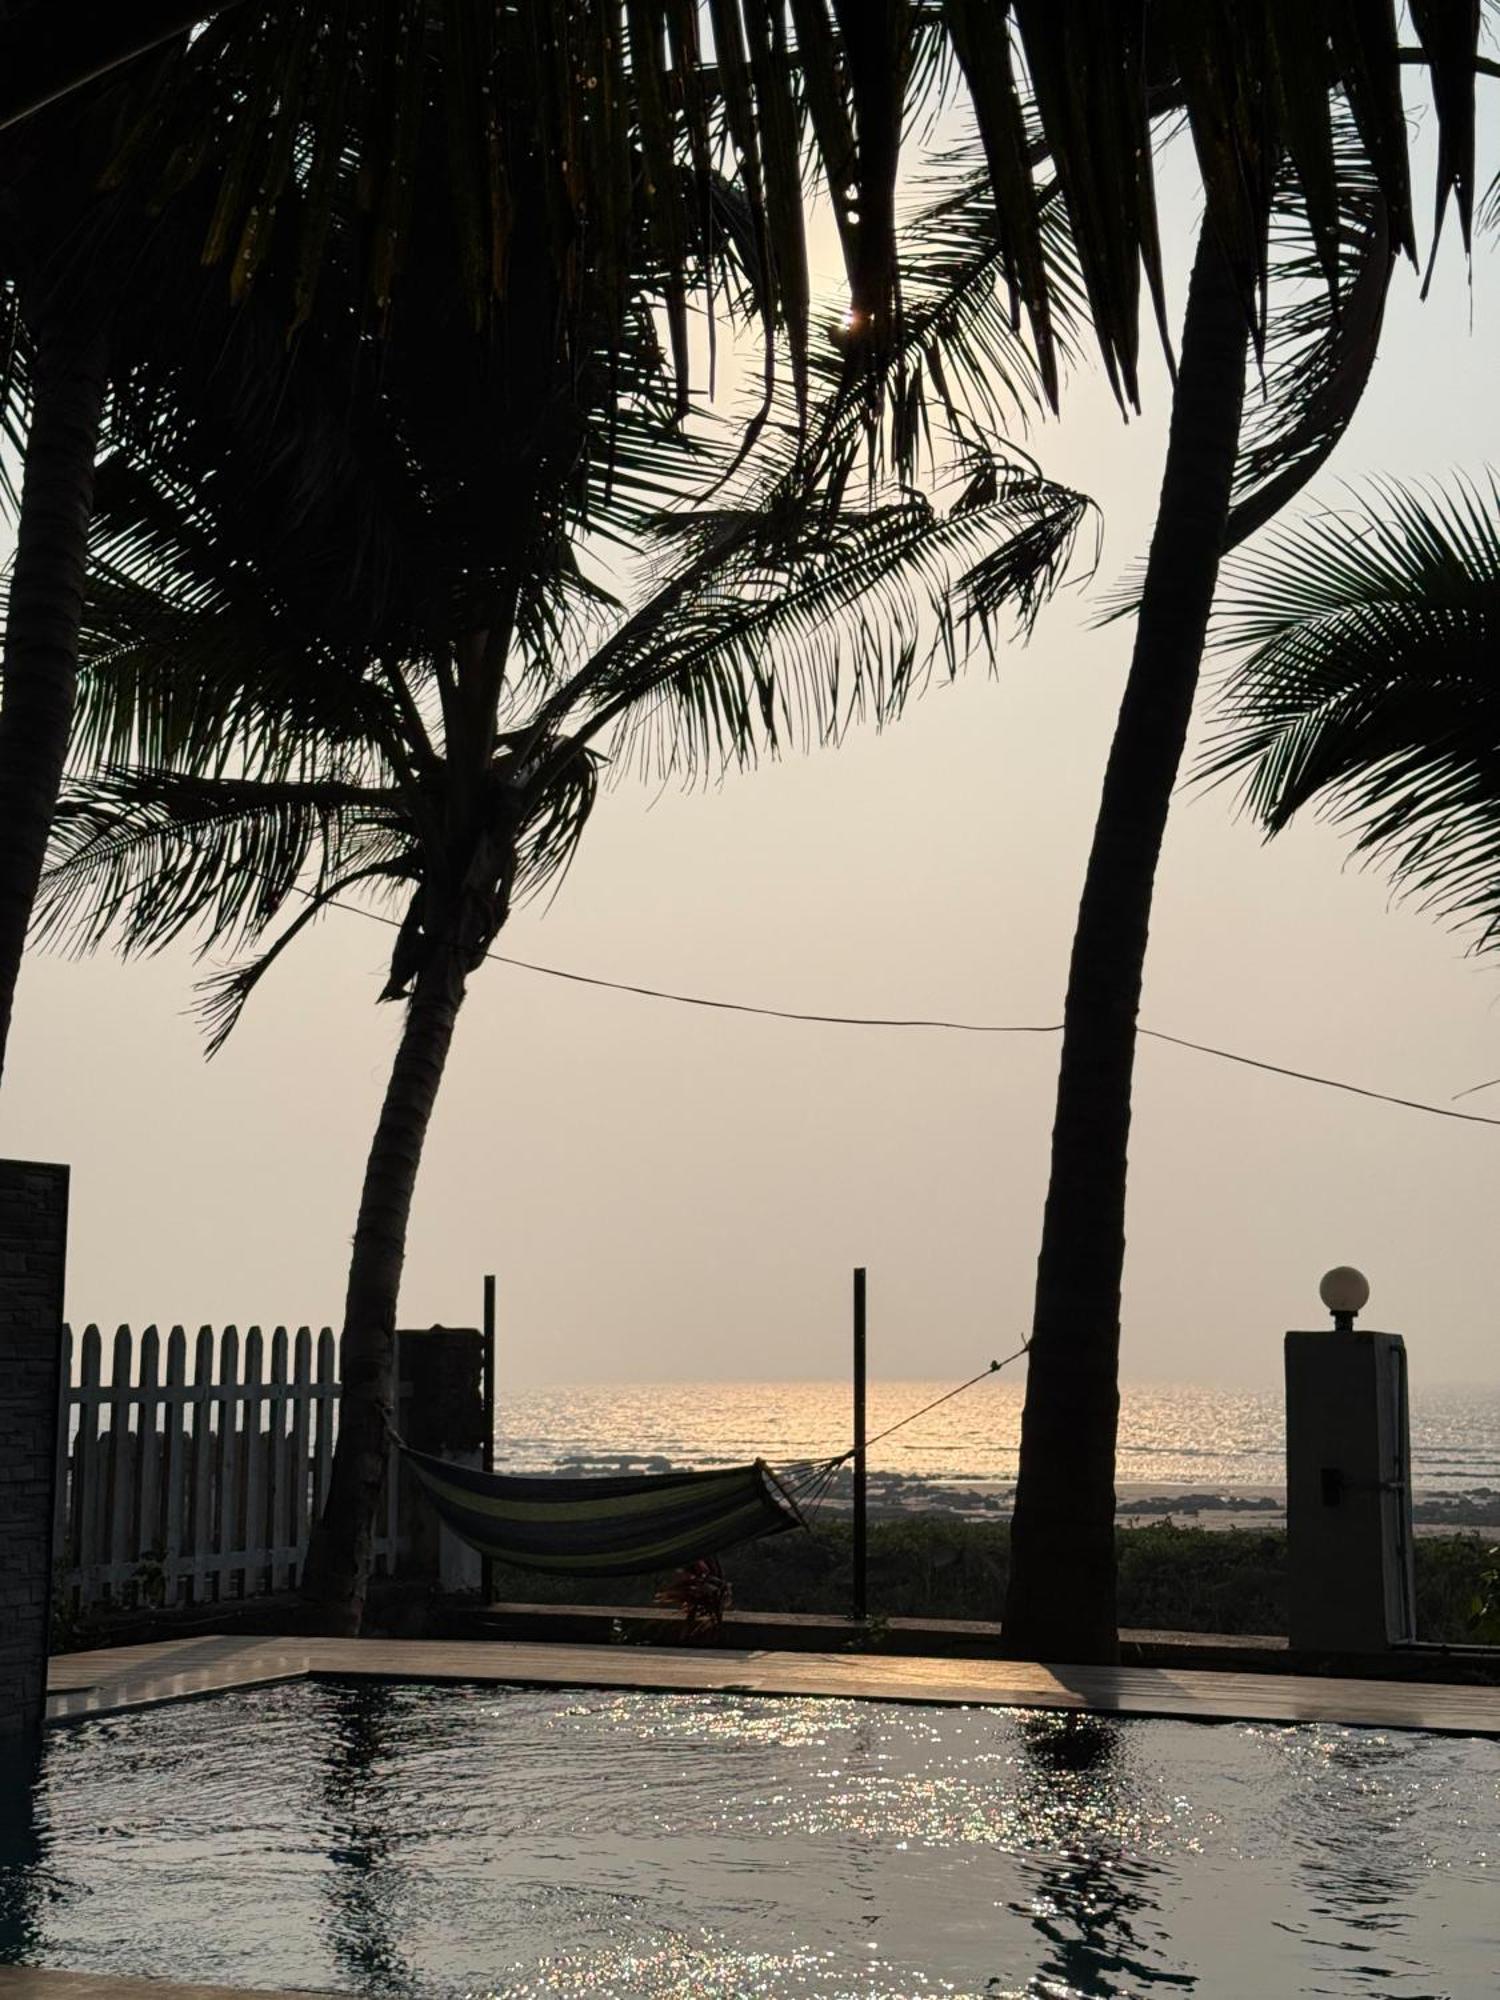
(404, 1840)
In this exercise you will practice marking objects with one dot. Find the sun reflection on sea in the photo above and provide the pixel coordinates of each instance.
(1171, 1435)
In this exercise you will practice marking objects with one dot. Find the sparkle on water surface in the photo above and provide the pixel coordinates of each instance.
(437, 1842)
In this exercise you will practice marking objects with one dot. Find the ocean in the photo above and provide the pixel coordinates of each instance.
(1224, 1446)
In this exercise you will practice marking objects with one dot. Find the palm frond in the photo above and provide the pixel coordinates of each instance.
(800, 623)
(223, 995)
(1320, 348)
(589, 128)
(187, 658)
(1253, 86)
(147, 855)
(554, 820)
(959, 349)
(1369, 690)
(1323, 334)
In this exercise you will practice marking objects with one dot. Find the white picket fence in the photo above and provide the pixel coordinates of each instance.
(174, 1488)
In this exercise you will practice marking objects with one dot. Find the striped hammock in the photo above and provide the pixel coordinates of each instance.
(624, 1526)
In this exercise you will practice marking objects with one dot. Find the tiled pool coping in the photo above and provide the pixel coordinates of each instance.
(81, 1685)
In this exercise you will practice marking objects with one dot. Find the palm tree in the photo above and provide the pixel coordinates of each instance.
(367, 679)
(1296, 119)
(52, 334)
(1297, 130)
(1369, 689)
(77, 266)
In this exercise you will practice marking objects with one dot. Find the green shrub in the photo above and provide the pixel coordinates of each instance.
(1172, 1579)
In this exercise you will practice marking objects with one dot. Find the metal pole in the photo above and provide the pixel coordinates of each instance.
(861, 1593)
(486, 1568)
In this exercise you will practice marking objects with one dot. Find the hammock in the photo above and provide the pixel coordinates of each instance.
(635, 1523)
(625, 1526)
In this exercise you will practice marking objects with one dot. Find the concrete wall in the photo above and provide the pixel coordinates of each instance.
(33, 1250)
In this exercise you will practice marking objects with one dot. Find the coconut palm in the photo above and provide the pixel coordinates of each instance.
(1296, 120)
(80, 345)
(1369, 689)
(397, 675)
(50, 285)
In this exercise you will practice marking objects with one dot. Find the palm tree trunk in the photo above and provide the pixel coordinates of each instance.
(337, 1570)
(41, 634)
(1060, 1604)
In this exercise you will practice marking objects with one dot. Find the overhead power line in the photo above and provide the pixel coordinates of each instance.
(939, 1025)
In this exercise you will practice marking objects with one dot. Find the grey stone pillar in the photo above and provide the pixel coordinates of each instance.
(440, 1409)
(1348, 1499)
(33, 1253)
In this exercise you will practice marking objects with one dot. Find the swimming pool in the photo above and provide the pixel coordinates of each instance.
(438, 1841)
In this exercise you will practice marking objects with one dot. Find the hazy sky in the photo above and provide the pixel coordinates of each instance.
(666, 1192)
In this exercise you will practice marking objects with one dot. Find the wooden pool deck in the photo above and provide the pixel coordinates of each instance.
(108, 1682)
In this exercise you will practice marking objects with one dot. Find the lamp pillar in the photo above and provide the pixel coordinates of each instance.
(1350, 1586)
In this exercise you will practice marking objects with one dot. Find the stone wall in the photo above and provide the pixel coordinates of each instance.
(33, 1249)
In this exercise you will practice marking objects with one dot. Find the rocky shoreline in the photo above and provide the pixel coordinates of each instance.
(894, 1494)
(1137, 1506)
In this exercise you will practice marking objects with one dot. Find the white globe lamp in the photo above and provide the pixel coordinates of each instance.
(1345, 1292)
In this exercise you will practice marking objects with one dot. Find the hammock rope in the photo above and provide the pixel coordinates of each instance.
(946, 1397)
(809, 1479)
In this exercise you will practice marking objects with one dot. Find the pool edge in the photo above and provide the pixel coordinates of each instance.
(44, 1982)
(83, 1686)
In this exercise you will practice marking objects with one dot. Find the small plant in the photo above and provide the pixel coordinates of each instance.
(703, 1592)
(874, 1636)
